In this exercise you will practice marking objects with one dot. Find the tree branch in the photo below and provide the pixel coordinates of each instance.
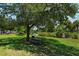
(31, 26)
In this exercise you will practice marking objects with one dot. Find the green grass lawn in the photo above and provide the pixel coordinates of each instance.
(12, 45)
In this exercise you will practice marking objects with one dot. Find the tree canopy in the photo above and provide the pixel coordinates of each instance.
(29, 15)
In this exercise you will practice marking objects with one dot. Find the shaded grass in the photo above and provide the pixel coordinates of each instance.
(50, 47)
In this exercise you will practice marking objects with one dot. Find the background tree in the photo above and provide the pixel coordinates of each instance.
(30, 15)
(76, 25)
(3, 24)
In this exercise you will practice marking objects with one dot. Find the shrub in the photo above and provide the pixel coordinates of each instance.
(20, 30)
(60, 34)
(20, 33)
(47, 34)
(74, 36)
(67, 35)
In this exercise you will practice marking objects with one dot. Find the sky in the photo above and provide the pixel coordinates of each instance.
(76, 17)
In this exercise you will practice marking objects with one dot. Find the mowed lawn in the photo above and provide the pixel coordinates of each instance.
(13, 45)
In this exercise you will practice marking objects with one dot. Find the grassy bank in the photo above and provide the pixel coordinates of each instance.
(11, 45)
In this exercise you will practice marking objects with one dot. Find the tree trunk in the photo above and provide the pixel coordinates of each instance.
(28, 33)
(77, 28)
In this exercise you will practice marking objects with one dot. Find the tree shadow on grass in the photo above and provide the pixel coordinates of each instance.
(50, 47)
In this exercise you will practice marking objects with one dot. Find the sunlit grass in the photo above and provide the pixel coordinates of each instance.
(10, 36)
(67, 41)
(4, 51)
